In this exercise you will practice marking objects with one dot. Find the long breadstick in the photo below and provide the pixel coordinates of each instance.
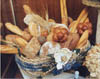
(84, 11)
(5, 49)
(64, 14)
(83, 38)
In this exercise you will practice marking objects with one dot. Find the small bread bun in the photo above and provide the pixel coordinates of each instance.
(60, 34)
(84, 26)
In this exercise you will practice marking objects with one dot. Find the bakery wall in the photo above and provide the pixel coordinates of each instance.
(39, 7)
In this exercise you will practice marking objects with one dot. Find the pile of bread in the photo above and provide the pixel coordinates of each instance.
(44, 37)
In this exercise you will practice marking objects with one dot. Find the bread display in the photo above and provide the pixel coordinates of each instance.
(63, 42)
(39, 32)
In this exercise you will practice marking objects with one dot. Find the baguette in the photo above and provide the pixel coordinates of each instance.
(84, 11)
(16, 39)
(18, 31)
(5, 49)
(83, 39)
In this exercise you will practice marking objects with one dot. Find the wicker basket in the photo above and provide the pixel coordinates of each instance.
(36, 67)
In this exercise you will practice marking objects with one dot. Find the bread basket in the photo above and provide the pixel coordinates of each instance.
(34, 67)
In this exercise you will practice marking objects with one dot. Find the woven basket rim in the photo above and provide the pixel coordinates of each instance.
(35, 60)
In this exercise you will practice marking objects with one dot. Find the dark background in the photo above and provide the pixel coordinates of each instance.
(8, 65)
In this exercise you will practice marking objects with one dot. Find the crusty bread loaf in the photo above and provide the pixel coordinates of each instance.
(13, 28)
(18, 31)
(16, 39)
(5, 49)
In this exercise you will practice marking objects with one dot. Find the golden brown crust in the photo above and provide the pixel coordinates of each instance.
(8, 49)
(60, 34)
(83, 39)
(84, 26)
(16, 39)
(13, 28)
